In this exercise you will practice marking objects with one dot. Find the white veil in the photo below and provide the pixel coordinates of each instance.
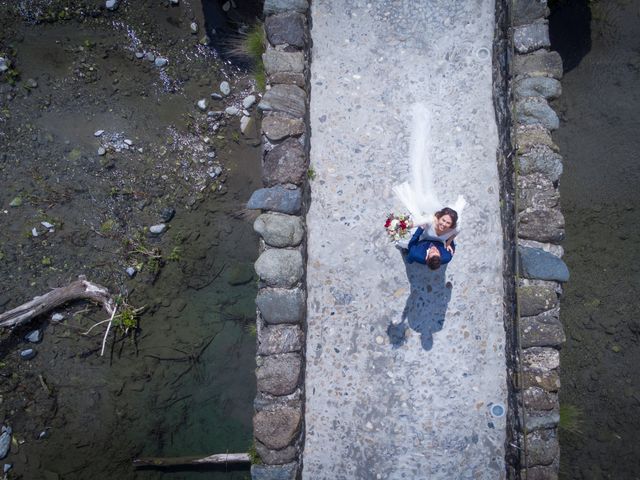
(418, 194)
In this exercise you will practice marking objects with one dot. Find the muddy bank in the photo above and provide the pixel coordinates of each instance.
(84, 202)
(599, 104)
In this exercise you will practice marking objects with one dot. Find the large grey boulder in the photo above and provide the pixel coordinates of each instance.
(279, 374)
(277, 199)
(530, 37)
(277, 427)
(281, 306)
(274, 472)
(289, 99)
(528, 11)
(279, 230)
(536, 111)
(536, 192)
(535, 299)
(279, 6)
(544, 330)
(285, 163)
(286, 28)
(545, 87)
(542, 226)
(278, 126)
(538, 64)
(541, 159)
(276, 61)
(538, 264)
(280, 268)
(276, 457)
(276, 339)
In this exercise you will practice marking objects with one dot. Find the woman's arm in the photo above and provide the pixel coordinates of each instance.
(449, 244)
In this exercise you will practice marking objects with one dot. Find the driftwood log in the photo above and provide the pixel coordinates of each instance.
(81, 289)
(216, 459)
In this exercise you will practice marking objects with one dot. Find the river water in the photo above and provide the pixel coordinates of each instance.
(598, 137)
(184, 383)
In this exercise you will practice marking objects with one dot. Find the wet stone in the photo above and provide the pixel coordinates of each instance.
(225, 88)
(543, 330)
(541, 159)
(248, 101)
(277, 427)
(535, 299)
(537, 192)
(279, 230)
(280, 61)
(538, 64)
(280, 268)
(274, 472)
(542, 358)
(536, 111)
(5, 441)
(279, 306)
(280, 6)
(545, 87)
(167, 214)
(27, 354)
(533, 136)
(542, 226)
(277, 339)
(527, 38)
(528, 11)
(535, 398)
(285, 163)
(286, 28)
(289, 99)
(276, 457)
(279, 126)
(276, 199)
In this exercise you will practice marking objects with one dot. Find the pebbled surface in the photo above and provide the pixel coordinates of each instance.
(409, 400)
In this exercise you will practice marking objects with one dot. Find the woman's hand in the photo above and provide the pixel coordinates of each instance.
(450, 249)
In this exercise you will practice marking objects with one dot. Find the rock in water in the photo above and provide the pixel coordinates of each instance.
(202, 104)
(161, 61)
(131, 272)
(231, 110)
(158, 229)
(34, 337)
(4, 65)
(194, 27)
(167, 214)
(27, 354)
(225, 88)
(57, 317)
(111, 4)
(98, 133)
(5, 441)
(249, 101)
(244, 123)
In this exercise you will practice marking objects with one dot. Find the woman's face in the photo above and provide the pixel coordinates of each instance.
(443, 224)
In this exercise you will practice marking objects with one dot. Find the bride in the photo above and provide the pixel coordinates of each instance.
(418, 194)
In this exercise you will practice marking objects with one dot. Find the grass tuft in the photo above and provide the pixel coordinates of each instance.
(571, 419)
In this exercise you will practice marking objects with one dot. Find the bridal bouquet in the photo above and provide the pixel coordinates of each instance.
(397, 226)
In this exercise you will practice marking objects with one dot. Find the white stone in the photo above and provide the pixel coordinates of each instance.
(34, 231)
(46, 225)
(202, 104)
(232, 110)
(111, 4)
(161, 61)
(57, 317)
(225, 88)
(249, 101)
(3, 65)
(98, 133)
(158, 229)
(128, 142)
(101, 151)
(245, 121)
(194, 27)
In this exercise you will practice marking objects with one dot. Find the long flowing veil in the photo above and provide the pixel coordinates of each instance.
(418, 194)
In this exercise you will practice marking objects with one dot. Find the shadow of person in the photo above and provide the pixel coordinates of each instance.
(426, 305)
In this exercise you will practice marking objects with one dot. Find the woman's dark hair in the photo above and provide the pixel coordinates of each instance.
(451, 212)
(434, 262)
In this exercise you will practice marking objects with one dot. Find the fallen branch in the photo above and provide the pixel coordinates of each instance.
(217, 459)
(80, 289)
(106, 334)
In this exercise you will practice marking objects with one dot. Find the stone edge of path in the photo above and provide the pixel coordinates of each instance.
(278, 421)
(528, 76)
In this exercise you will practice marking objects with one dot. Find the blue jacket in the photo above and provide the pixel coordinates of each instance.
(418, 249)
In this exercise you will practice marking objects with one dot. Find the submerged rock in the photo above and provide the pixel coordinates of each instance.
(5, 441)
(167, 214)
(27, 354)
(34, 337)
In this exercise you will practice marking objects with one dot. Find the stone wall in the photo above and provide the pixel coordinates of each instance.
(278, 422)
(533, 75)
